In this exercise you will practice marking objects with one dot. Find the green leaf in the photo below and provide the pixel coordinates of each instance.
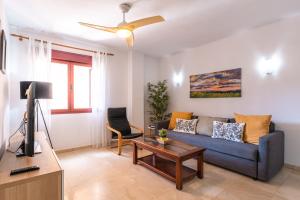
(158, 100)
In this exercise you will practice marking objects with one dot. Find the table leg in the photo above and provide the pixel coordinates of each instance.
(135, 153)
(200, 166)
(178, 174)
(154, 160)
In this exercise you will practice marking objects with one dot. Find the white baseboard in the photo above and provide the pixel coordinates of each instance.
(294, 167)
(72, 149)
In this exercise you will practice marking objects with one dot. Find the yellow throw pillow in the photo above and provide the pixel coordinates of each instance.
(256, 126)
(179, 115)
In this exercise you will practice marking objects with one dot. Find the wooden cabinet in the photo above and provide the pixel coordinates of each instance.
(43, 184)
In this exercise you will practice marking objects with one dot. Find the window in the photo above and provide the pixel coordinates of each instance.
(59, 79)
(71, 82)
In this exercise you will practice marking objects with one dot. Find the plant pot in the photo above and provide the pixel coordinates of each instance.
(163, 140)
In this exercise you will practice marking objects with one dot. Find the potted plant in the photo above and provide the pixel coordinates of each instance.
(162, 136)
(158, 99)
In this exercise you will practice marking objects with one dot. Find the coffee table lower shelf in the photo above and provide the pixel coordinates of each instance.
(166, 168)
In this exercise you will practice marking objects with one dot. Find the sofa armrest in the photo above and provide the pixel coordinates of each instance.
(271, 155)
(161, 125)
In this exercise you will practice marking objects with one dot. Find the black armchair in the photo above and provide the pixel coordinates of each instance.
(120, 127)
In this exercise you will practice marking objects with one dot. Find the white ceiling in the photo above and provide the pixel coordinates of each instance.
(189, 23)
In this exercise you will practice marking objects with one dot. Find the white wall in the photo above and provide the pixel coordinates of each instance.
(67, 130)
(18, 72)
(142, 69)
(151, 74)
(138, 89)
(277, 95)
(4, 102)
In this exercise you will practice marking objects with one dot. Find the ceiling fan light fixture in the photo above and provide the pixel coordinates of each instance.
(124, 33)
(125, 29)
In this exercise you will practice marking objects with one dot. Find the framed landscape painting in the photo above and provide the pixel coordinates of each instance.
(217, 84)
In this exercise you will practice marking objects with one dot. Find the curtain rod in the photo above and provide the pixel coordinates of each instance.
(21, 37)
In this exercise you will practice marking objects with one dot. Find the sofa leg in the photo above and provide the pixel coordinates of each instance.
(254, 178)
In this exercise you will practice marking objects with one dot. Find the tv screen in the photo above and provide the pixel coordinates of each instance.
(29, 137)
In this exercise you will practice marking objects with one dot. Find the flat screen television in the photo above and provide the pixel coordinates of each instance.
(29, 146)
(30, 129)
(2, 145)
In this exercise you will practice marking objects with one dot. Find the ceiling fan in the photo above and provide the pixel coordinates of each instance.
(125, 29)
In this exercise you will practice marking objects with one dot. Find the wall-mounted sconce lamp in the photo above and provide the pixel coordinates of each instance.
(269, 67)
(177, 78)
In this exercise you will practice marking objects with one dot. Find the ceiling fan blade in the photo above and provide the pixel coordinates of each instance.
(102, 28)
(144, 22)
(130, 40)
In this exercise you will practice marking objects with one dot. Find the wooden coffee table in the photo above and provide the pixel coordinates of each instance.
(166, 160)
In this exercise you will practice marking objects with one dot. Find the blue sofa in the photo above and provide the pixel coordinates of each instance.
(260, 162)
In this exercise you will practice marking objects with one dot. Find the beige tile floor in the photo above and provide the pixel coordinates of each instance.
(96, 174)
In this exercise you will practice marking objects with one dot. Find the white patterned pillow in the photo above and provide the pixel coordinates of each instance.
(228, 131)
(186, 126)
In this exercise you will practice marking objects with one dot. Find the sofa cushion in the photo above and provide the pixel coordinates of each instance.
(256, 126)
(205, 124)
(241, 150)
(180, 115)
(228, 131)
(186, 126)
(271, 127)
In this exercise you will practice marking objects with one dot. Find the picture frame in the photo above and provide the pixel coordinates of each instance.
(220, 84)
(3, 52)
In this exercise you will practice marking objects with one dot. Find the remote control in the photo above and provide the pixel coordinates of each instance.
(23, 170)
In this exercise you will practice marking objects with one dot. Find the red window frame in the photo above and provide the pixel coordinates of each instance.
(72, 59)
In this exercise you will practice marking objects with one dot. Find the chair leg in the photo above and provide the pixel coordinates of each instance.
(120, 145)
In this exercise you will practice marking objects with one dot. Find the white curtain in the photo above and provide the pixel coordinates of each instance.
(99, 134)
(39, 61)
(39, 54)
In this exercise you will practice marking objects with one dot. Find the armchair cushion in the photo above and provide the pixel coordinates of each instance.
(131, 136)
(117, 119)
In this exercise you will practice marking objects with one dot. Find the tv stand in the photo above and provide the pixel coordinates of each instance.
(43, 184)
